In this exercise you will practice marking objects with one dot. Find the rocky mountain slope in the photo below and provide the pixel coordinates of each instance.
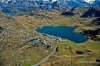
(93, 11)
(16, 43)
(7, 6)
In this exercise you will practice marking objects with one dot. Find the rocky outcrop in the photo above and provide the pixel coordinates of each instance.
(79, 52)
(65, 13)
(86, 51)
(92, 12)
(1, 29)
(96, 22)
(91, 34)
(98, 60)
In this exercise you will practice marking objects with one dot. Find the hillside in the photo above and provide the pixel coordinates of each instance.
(21, 45)
(15, 45)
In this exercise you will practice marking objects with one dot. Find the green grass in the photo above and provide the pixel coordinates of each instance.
(93, 45)
(32, 62)
(28, 29)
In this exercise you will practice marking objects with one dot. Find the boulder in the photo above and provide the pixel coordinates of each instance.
(1, 29)
(98, 60)
(79, 52)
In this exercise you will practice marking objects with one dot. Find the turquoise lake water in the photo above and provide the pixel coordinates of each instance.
(65, 32)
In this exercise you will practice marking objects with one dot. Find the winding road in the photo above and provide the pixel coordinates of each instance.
(46, 58)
